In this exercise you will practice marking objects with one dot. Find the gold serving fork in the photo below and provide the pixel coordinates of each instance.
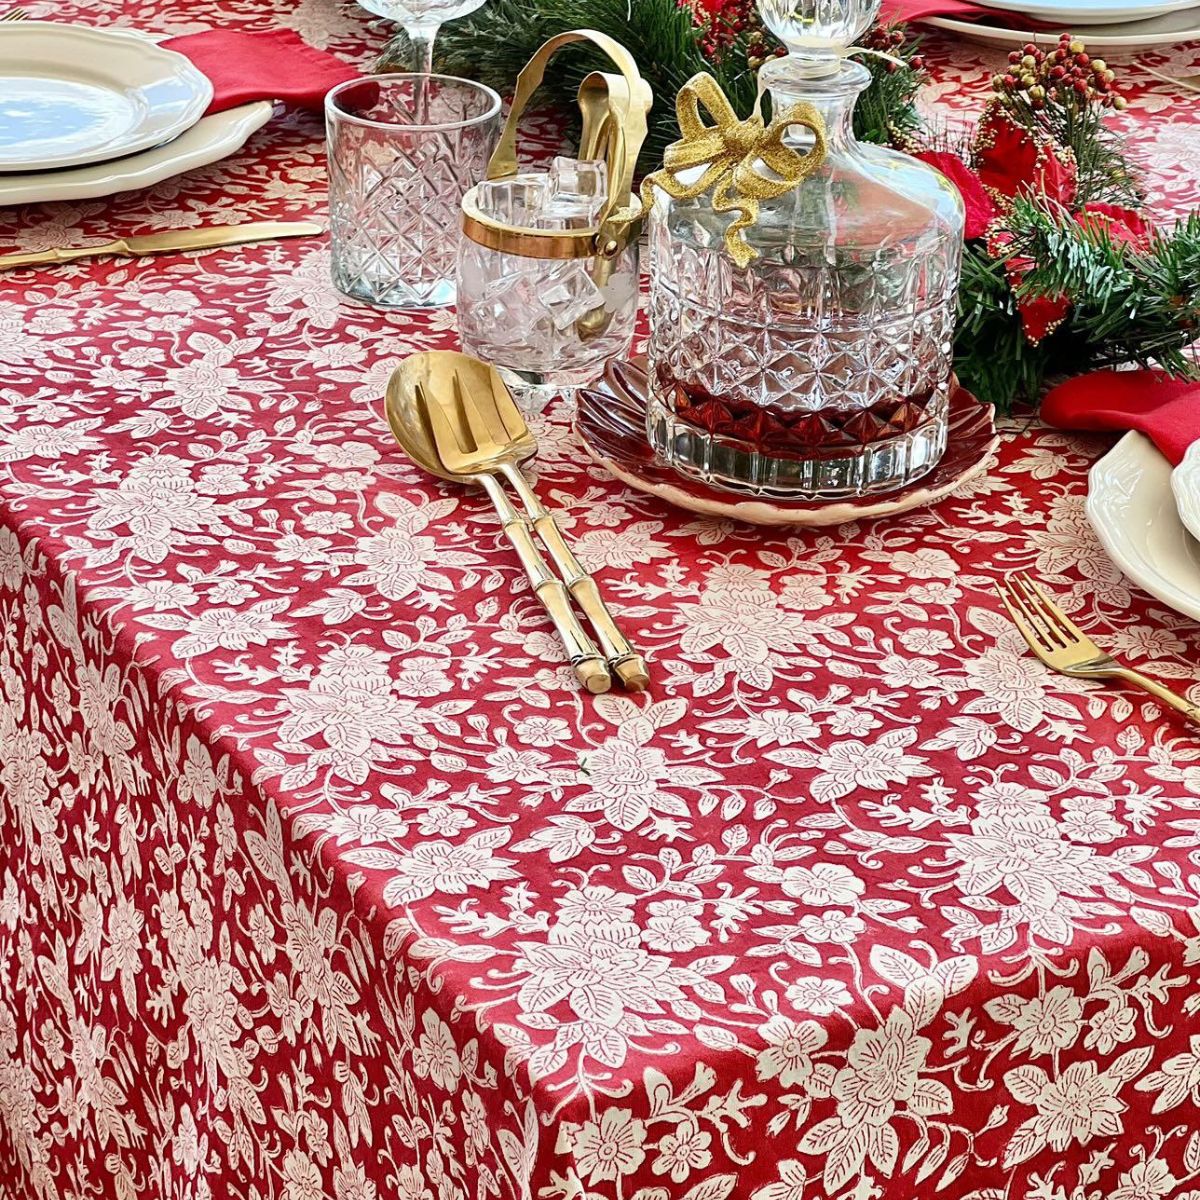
(1065, 648)
(484, 434)
(503, 441)
(14, 14)
(449, 446)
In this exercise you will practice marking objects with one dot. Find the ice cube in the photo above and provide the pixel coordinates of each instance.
(508, 301)
(577, 192)
(515, 201)
(579, 177)
(569, 293)
(560, 216)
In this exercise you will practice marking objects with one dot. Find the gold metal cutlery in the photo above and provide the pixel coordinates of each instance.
(500, 441)
(408, 415)
(14, 14)
(456, 418)
(170, 239)
(1191, 82)
(1065, 648)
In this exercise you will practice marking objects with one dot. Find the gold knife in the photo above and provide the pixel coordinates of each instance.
(171, 239)
(1191, 82)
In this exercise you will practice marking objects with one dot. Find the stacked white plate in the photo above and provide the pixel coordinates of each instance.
(1148, 517)
(89, 112)
(1108, 25)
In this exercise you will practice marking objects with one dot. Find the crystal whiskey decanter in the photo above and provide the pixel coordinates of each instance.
(822, 368)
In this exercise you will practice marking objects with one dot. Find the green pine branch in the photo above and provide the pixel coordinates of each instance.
(1103, 170)
(886, 114)
(495, 42)
(992, 356)
(1127, 305)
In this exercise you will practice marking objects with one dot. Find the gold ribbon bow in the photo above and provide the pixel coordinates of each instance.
(733, 149)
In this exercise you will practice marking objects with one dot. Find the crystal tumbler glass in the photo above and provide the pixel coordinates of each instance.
(396, 184)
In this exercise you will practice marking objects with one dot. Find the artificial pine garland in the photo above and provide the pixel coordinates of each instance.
(1067, 276)
(1127, 305)
(1061, 274)
(671, 41)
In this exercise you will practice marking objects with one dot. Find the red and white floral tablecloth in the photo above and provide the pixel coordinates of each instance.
(319, 878)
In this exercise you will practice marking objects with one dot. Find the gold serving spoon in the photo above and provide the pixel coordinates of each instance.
(409, 415)
(482, 432)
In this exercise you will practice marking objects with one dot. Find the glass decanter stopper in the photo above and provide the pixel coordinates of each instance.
(822, 368)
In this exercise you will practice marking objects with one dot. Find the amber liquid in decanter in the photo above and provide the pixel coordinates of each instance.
(770, 429)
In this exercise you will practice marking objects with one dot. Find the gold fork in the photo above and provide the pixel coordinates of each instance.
(1065, 648)
(1191, 82)
(502, 442)
(453, 436)
(14, 14)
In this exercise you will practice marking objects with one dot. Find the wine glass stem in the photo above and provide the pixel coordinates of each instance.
(422, 38)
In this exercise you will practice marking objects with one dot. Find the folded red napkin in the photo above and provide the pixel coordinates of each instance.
(1165, 409)
(277, 65)
(905, 11)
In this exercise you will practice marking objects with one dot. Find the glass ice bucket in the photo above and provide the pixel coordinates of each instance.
(548, 266)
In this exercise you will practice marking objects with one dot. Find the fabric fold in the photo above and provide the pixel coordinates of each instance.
(1163, 407)
(273, 65)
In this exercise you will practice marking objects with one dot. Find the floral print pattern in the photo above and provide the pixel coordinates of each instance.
(319, 878)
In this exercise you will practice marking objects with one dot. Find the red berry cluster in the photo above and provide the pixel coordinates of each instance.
(722, 22)
(890, 39)
(760, 46)
(1067, 76)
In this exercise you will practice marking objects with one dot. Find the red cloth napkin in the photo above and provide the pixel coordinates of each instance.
(905, 11)
(277, 65)
(1165, 409)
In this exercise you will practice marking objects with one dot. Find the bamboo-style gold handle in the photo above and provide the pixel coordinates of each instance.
(589, 666)
(61, 254)
(1160, 692)
(623, 660)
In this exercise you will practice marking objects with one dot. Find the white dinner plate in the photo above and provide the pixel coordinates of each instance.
(209, 140)
(1132, 509)
(1185, 485)
(1090, 12)
(1170, 30)
(72, 95)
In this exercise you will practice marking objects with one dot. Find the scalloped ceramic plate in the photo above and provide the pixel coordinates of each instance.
(209, 140)
(1132, 508)
(71, 95)
(1173, 29)
(1185, 485)
(611, 422)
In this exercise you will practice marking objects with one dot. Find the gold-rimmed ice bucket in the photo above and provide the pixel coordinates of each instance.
(548, 268)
